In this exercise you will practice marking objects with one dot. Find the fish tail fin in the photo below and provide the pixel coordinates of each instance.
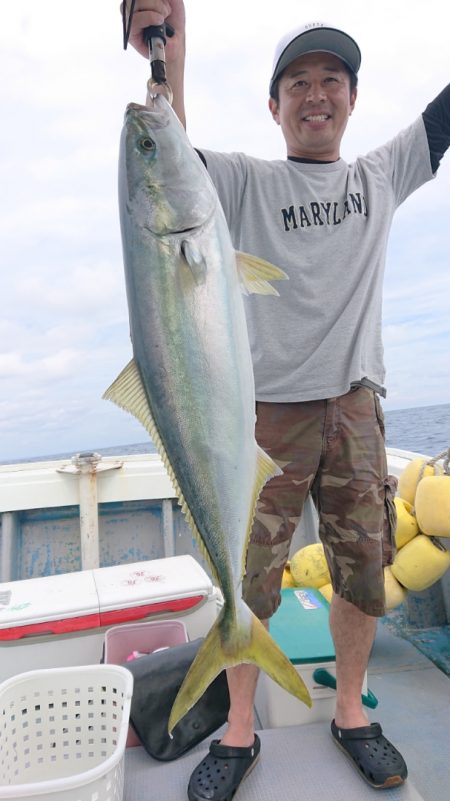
(259, 649)
(267, 655)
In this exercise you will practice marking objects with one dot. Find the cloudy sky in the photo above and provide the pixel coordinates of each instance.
(65, 83)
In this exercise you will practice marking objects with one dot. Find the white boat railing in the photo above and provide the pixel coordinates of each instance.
(86, 481)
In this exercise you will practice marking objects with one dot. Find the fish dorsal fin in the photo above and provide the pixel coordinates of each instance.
(128, 392)
(265, 468)
(255, 274)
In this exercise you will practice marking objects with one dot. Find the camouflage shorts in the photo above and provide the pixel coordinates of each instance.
(335, 450)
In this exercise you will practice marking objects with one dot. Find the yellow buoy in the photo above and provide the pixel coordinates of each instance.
(409, 478)
(420, 563)
(407, 527)
(394, 593)
(309, 567)
(327, 592)
(287, 579)
(432, 506)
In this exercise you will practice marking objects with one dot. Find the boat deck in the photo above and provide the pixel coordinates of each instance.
(301, 763)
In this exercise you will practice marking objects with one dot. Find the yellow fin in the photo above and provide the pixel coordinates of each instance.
(255, 274)
(211, 659)
(128, 392)
(266, 469)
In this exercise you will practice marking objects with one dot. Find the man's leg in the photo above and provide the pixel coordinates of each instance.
(242, 686)
(219, 774)
(353, 634)
(376, 759)
(282, 430)
(357, 521)
(292, 435)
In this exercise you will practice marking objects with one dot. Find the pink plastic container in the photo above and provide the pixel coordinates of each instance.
(121, 641)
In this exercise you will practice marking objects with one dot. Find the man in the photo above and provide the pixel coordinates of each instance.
(317, 358)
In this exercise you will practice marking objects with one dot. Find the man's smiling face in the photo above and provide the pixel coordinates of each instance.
(313, 106)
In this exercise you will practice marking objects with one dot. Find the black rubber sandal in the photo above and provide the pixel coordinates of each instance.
(219, 775)
(376, 759)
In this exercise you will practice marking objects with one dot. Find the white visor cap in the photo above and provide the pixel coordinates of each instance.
(314, 37)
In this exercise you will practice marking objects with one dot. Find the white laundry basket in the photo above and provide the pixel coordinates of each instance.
(63, 733)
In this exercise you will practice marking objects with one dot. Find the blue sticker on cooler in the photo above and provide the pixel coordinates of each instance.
(307, 599)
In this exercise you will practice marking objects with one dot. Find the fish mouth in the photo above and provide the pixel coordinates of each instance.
(135, 107)
(153, 106)
(156, 114)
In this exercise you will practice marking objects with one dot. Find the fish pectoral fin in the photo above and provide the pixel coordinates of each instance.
(255, 274)
(211, 659)
(195, 260)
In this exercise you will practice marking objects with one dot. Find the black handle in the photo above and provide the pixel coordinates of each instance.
(158, 31)
(155, 37)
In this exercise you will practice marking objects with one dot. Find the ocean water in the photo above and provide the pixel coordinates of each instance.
(424, 429)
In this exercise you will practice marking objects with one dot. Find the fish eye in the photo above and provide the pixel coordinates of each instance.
(147, 144)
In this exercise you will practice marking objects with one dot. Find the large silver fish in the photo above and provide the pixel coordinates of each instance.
(191, 379)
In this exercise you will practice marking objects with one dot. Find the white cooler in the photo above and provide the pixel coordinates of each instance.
(60, 621)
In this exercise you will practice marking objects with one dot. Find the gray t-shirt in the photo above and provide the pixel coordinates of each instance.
(327, 226)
